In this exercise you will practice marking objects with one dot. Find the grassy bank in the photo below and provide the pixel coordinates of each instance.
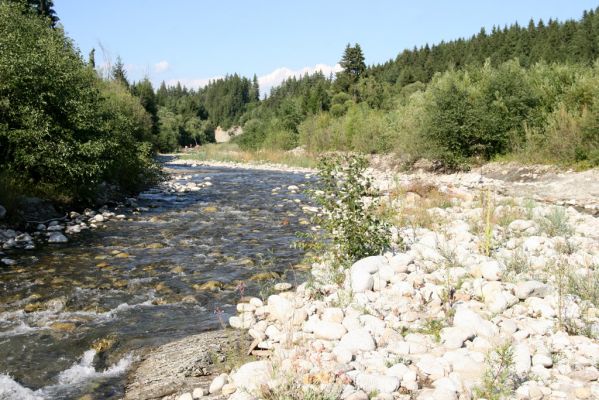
(231, 152)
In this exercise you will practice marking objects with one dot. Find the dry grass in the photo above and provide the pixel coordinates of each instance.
(230, 152)
(415, 202)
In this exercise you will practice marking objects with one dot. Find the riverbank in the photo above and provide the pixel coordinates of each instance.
(494, 294)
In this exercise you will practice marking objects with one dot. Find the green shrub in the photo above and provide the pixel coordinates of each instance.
(349, 224)
(62, 130)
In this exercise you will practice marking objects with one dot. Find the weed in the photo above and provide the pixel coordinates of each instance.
(529, 208)
(292, 389)
(556, 223)
(397, 360)
(517, 264)
(433, 327)
(498, 381)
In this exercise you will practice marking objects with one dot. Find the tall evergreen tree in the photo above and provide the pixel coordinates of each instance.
(118, 72)
(92, 58)
(255, 90)
(352, 61)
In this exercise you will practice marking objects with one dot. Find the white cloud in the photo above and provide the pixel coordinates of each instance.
(266, 82)
(161, 66)
(191, 83)
(279, 75)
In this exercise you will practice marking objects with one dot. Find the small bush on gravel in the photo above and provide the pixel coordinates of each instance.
(350, 227)
(498, 381)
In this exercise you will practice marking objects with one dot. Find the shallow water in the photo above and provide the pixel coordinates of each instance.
(135, 283)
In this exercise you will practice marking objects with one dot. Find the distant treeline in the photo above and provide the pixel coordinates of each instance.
(67, 131)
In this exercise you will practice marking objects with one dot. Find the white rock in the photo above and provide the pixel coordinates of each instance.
(329, 330)
(398, 370)
(361, 281)
(379, 383)
(410, 380)
(444, 394)
(541, 307)
(333, 314)
(252, 375)
(454, 337)
(198, 393)
(522, 361)
(491, 270)
(527, 289)
(244, 321)
(342, 355)
(256, 302)
(542, 360)
(57, 237)
(218, 383)
(185, 396)
(282, 286)
(369, 264)
(400, 262)
(280, 308)
(241, 395)
(432, 366)
(358, 340)
(469, 320)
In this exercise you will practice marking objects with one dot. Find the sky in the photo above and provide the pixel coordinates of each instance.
(193, 41)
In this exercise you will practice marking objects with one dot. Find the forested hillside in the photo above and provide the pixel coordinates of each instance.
(526, 92)
(529, 93)
(64, 132)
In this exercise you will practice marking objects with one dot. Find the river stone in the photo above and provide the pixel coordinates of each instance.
(361, 281)
(241, 395)
(241, 322)
(471, 321)
(454, 337)
(379, 383)
(253, 375)
(185, 396)
(198, 393)
(218, 383)
(329, 330)
(491, 270)
(333, 314)
(283, 286)
(522, 359)
(527, 289)
(280, 308)
(57, 237)
(358, 340)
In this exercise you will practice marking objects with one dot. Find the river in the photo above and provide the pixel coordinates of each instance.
(72, 316)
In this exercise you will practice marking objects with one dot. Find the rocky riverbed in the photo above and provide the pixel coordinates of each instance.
(77, 313)
(484, 294)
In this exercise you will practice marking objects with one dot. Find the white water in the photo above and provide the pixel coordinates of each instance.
(80, 372)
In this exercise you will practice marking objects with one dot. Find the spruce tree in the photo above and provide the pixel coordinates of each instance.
(118, 72)
(92, 58)
(352, 62)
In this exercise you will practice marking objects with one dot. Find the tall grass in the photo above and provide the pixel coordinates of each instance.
(231, 152)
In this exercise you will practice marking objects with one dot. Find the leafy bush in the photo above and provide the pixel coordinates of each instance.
(348, 221)
(62, 130)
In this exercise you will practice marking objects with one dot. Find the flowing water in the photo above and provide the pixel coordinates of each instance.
(72, 315)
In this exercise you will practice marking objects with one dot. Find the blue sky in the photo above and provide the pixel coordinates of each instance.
(192, 40)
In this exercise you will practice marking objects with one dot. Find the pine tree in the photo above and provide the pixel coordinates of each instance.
(118, 72)
(92, 58)
(255, 90)
(352, 62)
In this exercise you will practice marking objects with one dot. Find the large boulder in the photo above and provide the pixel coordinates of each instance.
(358, 340)
(251, 376)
